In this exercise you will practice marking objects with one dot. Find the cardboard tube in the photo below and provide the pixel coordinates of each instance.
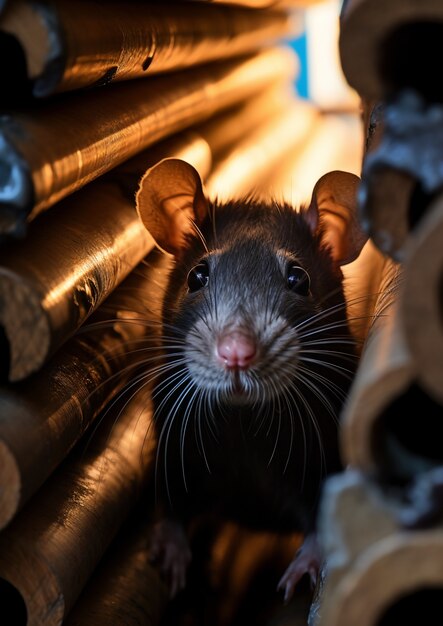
(385, 371)
(392, 208)
(51, 151)
(387, 229)
(375, 46)
(70, 44)
(377, 435)
(422, 299)
(379, 575)
(401, 175)
(400, 572)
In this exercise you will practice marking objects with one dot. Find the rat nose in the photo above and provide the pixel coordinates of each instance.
(236, 349)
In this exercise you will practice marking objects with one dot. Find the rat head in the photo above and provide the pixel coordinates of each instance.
(255, 301)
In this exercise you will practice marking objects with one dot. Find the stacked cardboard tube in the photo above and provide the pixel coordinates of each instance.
(99, 92)
(381, 519)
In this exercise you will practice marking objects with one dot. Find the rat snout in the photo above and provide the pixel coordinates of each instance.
(236, 349)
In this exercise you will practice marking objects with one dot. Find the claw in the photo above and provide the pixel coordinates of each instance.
(307, 560)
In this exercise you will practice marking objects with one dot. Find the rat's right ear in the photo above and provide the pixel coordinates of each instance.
(333, 212)
(170, 201)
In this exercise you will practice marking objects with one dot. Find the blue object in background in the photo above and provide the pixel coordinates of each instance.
(300, 46)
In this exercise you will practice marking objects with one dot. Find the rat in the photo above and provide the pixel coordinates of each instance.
(258, 358)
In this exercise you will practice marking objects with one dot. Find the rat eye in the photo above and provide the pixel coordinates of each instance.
(198, 277)
(298, 280)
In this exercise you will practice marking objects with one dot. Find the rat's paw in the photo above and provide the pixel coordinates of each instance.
(307, 560)
(170, 550)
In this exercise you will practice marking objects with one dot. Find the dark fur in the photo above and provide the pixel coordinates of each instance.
(239, 441)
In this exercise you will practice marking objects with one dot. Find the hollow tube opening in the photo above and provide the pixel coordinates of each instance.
(16, 85)
(419, 203)
(5, 356)
(409, 58)
(406, 438)
(13, 604)
(420, 607)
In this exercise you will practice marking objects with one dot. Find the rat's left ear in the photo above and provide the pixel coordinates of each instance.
(333, 209)
(170, 202)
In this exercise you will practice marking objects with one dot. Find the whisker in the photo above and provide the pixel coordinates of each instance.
(167, 382)
(185, 420)
(167, 427)
(286, 396)
(200, 235)
(123, 372)
(120, 393)
(276, 400)
(307, 378)
(305, 440)
(332, 366)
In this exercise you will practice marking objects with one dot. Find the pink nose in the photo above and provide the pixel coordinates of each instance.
(236, 349)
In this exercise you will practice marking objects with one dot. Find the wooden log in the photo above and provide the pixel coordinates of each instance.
(377, 56)
(51, 549)
(43, 417)
(126, 588)
(132, 39)
(422, 300)
(49, 152)
(74, 256)
(54, 279)
(203, 143)
(378, 574)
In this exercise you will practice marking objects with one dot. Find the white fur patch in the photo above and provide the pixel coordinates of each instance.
(267, 377)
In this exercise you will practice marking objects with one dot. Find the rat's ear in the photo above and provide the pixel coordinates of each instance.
(170, 201)
(333, 209)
